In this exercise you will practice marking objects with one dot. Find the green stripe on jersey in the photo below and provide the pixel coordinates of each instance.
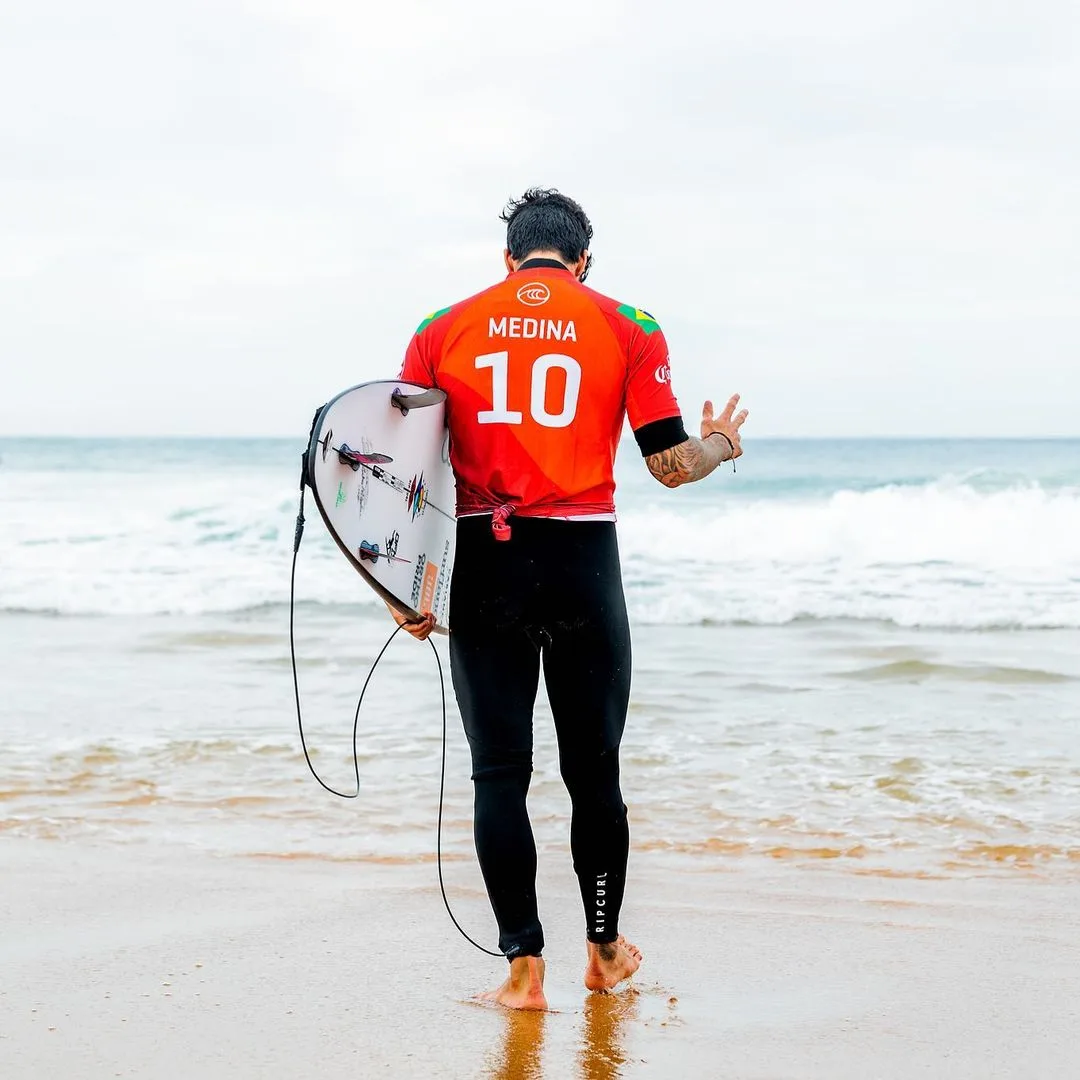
(642, 318)
(431, 318)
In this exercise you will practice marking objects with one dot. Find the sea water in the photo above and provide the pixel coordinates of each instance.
(859, 651)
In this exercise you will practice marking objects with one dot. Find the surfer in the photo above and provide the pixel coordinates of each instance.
(540, 372)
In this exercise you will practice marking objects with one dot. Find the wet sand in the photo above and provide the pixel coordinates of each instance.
(154, 961)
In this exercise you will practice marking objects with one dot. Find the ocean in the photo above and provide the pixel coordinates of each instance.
(861, 654)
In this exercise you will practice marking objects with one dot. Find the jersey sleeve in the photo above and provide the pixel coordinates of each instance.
(422, 355)
(416, 368)
(651, 406)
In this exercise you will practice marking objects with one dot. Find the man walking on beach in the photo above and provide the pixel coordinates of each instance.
(539, 373)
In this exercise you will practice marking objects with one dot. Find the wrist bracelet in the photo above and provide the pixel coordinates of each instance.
(729, 442)
(726, 439)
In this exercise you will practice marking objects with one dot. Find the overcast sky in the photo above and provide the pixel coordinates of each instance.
(863, 216)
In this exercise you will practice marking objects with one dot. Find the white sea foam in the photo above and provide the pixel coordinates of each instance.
(941, 554)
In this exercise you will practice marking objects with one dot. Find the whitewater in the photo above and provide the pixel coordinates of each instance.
(964, 535)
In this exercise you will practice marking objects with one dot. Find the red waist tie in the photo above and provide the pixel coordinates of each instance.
(499, 515)
(498, 521)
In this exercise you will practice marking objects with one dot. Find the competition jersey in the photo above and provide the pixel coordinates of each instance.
(539, 373)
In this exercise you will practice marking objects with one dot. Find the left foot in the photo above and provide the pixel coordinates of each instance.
(524, 987)
(610, 963)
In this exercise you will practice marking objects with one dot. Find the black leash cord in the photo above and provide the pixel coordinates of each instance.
(442, 787)
(356, 722)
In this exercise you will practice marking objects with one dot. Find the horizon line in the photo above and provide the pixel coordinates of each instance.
(188, 436)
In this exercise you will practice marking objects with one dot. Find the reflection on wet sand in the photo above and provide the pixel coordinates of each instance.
(519, 1056)
(602, 1053)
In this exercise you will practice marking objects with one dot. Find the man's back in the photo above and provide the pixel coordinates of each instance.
(539, 373)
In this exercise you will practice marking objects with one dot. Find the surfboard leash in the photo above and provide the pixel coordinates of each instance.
(297, 536)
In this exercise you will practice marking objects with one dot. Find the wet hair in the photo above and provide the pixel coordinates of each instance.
(543, 219)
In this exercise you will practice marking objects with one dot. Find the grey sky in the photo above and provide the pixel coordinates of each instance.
(864, 217)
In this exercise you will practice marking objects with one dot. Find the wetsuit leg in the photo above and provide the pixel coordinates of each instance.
(495, 683)
(495, 665)
(587, 661)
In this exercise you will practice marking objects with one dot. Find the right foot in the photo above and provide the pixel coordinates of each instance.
(610, 963)
(524, 986)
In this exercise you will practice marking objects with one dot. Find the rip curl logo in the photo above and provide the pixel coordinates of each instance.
(662, 374)
(534, 293)
(600, 922)
(418, 579)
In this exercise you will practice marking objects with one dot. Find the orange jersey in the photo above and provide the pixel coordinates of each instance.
(539, 373)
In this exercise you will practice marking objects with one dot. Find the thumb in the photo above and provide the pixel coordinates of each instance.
(707, 413)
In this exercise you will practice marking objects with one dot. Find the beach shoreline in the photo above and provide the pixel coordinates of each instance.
(157, 961)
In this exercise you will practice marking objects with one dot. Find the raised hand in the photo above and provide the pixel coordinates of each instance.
(726, 424)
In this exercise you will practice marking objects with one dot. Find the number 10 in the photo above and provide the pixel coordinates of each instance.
(501, 413)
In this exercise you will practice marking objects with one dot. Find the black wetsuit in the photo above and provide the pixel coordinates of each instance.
(551, 595)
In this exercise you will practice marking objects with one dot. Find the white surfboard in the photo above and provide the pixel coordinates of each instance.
(379, 468)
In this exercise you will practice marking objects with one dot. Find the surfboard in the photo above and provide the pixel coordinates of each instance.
(378, 466)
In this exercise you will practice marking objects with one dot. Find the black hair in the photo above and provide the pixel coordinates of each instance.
(543, 219)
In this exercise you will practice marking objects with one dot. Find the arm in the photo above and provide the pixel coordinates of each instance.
(672, 457)
(694, 459)
(689, 461)
(416, 368)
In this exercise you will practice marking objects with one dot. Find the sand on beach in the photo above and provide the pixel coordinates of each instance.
(150, 961)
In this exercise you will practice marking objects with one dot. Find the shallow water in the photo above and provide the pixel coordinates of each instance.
(868, 747)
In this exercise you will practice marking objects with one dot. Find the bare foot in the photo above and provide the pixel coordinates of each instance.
(609, 964)
(524, 987)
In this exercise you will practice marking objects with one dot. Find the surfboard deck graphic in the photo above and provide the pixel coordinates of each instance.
(378, 467)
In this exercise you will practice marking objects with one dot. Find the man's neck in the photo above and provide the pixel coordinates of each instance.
(544, 259)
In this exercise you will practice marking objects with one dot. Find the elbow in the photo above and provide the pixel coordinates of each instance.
(669, 469)
(673, 479)
(673, 467)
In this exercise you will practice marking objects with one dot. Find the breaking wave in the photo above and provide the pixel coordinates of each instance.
(939, 554)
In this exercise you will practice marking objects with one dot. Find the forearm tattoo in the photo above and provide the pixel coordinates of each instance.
(689, 461)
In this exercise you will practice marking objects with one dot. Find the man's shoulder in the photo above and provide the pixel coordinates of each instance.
(443, 318)
(625, 317)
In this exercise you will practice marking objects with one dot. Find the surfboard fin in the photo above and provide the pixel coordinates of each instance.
(355, 458)
(405, 402)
